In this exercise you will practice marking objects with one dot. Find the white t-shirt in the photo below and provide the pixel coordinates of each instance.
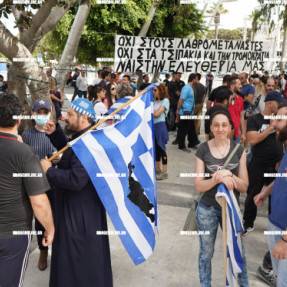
(96, 81)
(100, 110)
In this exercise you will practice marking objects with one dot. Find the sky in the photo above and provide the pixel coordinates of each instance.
(238, 10)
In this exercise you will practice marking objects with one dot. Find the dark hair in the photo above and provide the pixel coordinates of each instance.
(222, 96)
(90, 90)
(1, 77)
(105, 74)
(94, 93)
(163, 92)
(263, 80)
(191, 77)
(167, 75)
(285, 77)
(127, 76)
(108, 93)
(226, 78)
(90, 120)
(100, 72)
(198, 76)
(221, 112)
(145, 75)
(231, 81)
(282, 105)
(10, 105)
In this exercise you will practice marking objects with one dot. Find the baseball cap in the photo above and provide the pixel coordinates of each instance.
(83, 106)
(274, 96)
(41, 104)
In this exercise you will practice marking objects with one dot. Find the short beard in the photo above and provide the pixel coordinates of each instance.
(282, 136)
(70, 131)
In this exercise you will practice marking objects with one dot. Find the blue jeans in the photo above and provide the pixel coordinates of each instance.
(279, 266)
(208, 218)
(82, 93)
(237, 139)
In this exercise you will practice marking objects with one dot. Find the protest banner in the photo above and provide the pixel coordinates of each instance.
(150, 55)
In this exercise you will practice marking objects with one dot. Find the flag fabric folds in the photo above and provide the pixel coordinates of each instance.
(120, 162)
(233, 228)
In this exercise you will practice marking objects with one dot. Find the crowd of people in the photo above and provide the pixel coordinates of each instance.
(67, 208)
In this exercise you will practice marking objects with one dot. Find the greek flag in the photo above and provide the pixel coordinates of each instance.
(233, 228)
(120, 162)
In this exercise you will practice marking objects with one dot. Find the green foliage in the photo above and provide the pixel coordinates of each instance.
(226, 34)
(25, 19)
(272, 13)
(220, 10)
(170, 20)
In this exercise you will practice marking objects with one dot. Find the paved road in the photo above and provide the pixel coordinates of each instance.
(174, 261)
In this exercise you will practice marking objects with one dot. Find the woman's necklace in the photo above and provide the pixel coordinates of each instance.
(219, 150)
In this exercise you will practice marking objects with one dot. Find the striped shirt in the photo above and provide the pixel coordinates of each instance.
(38, 141)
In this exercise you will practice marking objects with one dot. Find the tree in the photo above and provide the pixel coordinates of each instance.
(226, 34)
(220, 10)
(32, 27)
(170, 20)
(72, 43)
(256, 22)
(274, 13)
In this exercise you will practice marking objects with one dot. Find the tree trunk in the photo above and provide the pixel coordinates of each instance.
(72, 44)
(216, 31)
(143, 33)
(146, 25)
(37, 89)
(283, 52)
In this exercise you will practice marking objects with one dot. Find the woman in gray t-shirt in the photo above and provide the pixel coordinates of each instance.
(210, 157)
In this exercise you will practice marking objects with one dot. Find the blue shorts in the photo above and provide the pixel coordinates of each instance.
(14, 253)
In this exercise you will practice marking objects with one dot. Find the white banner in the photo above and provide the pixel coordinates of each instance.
(150, 55)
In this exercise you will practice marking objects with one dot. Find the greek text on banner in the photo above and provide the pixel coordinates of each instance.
(152, 55)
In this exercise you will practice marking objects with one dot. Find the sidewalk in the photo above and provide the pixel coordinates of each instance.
(174, 261)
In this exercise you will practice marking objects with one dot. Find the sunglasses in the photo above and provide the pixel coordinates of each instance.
(240, 78)
(113, 89)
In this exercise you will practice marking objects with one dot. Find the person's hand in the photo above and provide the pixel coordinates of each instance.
(242, 138)
(259, 199)
(48, 238)
(45, 164)
(280, 250)
(218, 175)
(56, 159)
(19, 138)
(177, 116)
(49, 127)
(229, 182)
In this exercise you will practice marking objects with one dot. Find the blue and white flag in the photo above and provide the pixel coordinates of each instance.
(120, 162)
(233, 228)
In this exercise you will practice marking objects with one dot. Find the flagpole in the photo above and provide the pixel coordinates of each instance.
(101, 121)
(223, 208)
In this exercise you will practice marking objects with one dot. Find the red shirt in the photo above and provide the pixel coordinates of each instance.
(235, 109)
